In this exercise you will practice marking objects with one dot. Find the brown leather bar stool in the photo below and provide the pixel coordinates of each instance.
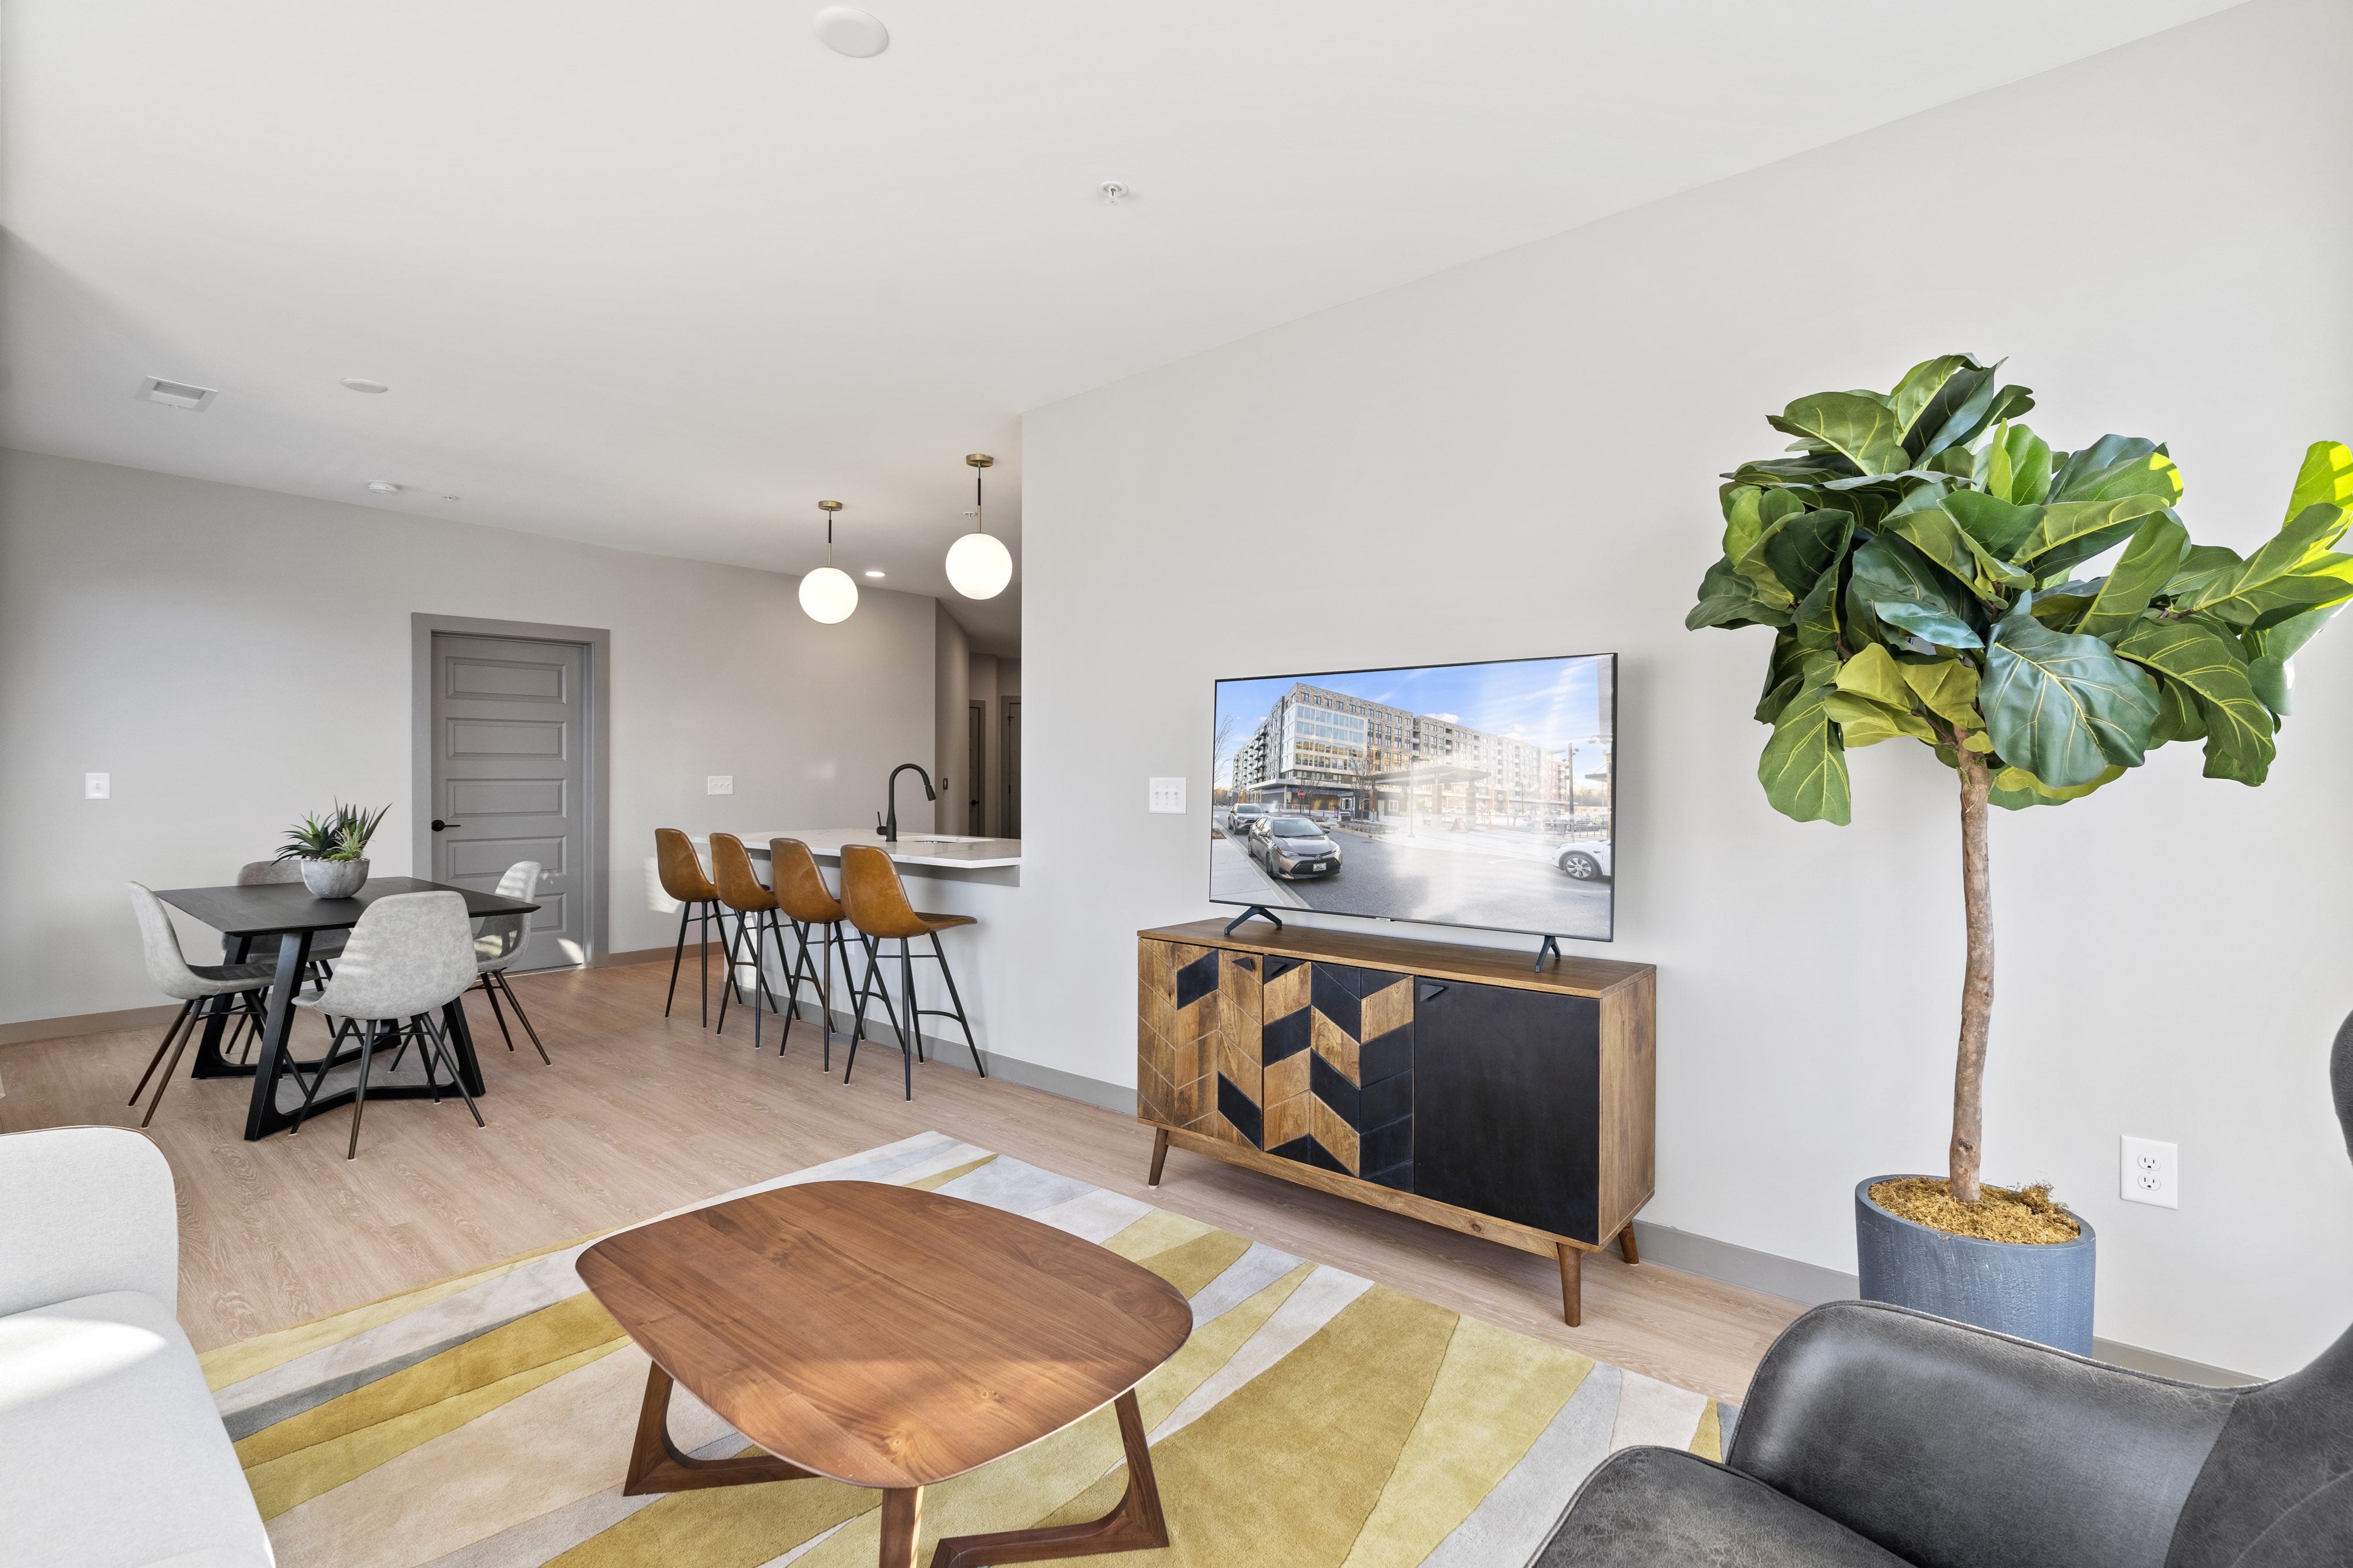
(739, 890)
(876, 902)
(682, 879)
(805, 900)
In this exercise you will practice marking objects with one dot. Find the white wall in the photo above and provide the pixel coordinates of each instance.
(1519, 457)
(235, 658)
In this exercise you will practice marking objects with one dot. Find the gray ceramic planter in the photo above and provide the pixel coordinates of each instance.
(334, 878)
(2038, 1293)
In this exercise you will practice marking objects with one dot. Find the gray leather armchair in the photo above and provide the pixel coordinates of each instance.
(1878, 1438)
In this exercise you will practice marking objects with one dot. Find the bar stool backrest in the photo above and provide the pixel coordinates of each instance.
(167, 966)
(801, 891)
(739, 885)
(409, 954)
(682, 870)
(875, 898)
(265, 873)
(498, 937)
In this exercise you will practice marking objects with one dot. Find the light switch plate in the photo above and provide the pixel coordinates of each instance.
(1166, 795)
(719, 783)
(2151, 1173)
(98, 787)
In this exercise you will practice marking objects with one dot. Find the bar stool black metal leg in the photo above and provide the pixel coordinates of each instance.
(522, 1017)
(759, 973)
(957, 1001)
(678, 953)
(910, 1037)
(826, 949)
(702, 929)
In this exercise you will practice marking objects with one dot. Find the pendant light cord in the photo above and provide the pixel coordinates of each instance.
(980, 517)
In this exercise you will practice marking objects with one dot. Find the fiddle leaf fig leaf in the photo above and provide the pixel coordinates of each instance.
(1990, 520)
(2116, 466)
(2015, 466)
(2274, 682)
(1727, 599)
(2301, 541)
(1857, 426)
(1803, 769)
(2014, 789)
(1949, 689)
(2210, 666)
(1886, 571)
(2327, 476)
(1872, 673)
(2148, 564)
(2070, 531)
(1782, 677)
(2061, 705)
(1932, 626)
(1863, 723)
(1922, 384)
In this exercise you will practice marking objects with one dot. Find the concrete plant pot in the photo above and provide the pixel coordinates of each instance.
(334, 878)
(2041, 1293)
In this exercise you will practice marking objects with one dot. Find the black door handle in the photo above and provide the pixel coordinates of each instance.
(439, 825)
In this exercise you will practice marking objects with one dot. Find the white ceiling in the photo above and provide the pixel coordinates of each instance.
(662, 276)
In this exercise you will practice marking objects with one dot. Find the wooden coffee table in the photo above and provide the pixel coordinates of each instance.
(889, 1338)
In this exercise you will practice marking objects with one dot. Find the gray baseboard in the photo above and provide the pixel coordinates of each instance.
(31, 1029)
(951, 1052)
(1813, 1285)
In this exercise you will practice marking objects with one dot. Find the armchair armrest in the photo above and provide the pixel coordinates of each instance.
(85, 1210)
(1954, 1447)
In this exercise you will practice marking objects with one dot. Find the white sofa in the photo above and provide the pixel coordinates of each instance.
(112, 1453)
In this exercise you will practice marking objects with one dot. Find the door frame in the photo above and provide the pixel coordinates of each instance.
(596, 648)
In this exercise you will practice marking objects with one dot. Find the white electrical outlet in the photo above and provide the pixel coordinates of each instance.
(2152, 1173)
(719, 783)
(98, 787)
(1166, 795)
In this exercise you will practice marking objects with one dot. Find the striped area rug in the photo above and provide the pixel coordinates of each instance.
(1314, 1418)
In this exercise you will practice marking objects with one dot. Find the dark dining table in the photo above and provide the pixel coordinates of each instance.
(289, 912)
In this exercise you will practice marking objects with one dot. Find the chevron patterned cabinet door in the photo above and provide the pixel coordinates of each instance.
(1337, 1045)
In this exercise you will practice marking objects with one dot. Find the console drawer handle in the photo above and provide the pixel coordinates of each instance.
(1431, 990)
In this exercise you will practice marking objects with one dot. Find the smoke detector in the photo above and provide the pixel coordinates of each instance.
(846, 30)
(362, 383)
(176, 394)
(384, 487)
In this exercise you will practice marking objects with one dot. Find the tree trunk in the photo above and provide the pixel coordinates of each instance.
(1976, 983)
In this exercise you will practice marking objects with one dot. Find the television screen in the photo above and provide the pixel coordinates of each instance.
(1473, 795)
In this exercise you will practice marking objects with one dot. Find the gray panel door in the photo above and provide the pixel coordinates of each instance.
(511, 778)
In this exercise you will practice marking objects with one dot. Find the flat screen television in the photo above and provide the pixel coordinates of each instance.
(1470, 795)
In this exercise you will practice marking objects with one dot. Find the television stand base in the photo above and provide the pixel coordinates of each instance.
(1551, 946)
(1256, 910)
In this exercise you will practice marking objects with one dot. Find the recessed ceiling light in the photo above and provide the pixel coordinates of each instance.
(362, 383)
(453, 497)
(874, 571)
(1114, 192)
(176, 394)
(846, 30)
(384, 487)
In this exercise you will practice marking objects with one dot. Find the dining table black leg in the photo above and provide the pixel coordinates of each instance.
(262, 1116)
(459, 1035)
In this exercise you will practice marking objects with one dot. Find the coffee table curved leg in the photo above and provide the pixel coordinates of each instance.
(656, 1466)
(1136, 1525)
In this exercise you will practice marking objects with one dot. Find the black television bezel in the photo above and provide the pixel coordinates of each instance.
(1611, 655)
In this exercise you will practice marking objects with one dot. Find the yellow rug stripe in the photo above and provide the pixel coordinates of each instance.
(934, 1183)
(1156, 1230)
(1708, 1441)
(1192, 1265)
(1496, 1394)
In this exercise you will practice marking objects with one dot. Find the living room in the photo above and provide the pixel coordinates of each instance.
(1415, 345)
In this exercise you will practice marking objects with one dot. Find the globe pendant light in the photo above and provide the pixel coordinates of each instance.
(828, 594)
(978, 565)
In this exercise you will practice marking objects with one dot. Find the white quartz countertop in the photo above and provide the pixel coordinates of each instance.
(913, 848)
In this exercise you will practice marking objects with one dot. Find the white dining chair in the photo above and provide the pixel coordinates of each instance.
(409, 956)
(498, 939)
(201, 989)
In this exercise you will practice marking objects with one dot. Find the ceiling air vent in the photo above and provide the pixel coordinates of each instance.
(177, 393)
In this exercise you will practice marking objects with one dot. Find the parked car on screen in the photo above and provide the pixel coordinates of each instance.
(1293, 846)
(1240, 818)
(1585, 862)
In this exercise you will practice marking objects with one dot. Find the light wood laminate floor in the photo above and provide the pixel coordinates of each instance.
(640, 1114)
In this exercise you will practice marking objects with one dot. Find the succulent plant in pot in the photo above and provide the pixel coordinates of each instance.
(1917, 554)
(333, 849)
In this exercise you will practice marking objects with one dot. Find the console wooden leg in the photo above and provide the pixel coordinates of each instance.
(1572, 1270)
(656, 1466)
(903, 1521)
(1160, 1155)
(1136, 1525)
(1626, 1243)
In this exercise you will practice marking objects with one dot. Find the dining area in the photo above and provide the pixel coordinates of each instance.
(383, 964)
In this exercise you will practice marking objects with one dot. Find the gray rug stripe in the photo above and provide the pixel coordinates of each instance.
(1512, 1522)
(560, 1530)
(1015, 1188)
(1245, 1276)
(246, 1421)
(1727, 1416)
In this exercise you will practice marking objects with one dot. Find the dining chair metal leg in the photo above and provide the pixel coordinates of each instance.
(326, 1060)
(957, 1001)
(522, 1017)
(220, 1009)
(493, 993)
(359, 1102)
(410, 1031)
(169, 1036)
(440, 1044)
(677, 955)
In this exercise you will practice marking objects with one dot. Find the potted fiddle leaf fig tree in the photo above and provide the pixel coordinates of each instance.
(333, 849)
(1916, 552)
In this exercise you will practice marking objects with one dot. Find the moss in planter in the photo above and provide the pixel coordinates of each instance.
(2026, 1214)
